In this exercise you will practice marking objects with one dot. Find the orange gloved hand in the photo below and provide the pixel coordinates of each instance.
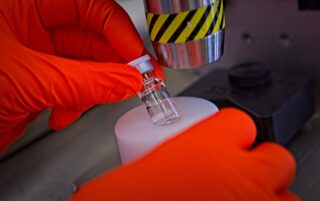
(65, 55)
(210, 161)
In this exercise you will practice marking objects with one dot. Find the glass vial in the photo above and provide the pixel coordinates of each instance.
(154, 94)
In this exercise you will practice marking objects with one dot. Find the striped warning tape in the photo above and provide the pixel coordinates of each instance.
(187, 25)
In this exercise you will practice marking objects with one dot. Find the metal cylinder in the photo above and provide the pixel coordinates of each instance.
(186, 33)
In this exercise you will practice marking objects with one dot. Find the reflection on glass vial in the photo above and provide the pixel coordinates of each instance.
(158, 101)
(154, 94)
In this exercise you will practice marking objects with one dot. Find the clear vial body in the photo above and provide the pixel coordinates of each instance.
(158, 101)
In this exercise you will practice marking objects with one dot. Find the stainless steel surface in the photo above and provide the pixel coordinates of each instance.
(203, 51)
(35, 131)
(174, 6)
(192, 53)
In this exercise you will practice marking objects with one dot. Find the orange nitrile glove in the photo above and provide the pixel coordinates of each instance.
(210, 161)
(38, 38)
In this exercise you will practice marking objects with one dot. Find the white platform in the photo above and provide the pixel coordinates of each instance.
(136, 135)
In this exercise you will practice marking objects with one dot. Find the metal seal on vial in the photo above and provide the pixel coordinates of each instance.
(186, 33)
(154, 94)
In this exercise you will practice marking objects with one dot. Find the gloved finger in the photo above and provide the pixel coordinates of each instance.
(105, 17)
(157, 67)
(230, 126)
(82, 42)
(288, 196)
(65, 83)
(61, 118)
(275, 166)
(84, 84)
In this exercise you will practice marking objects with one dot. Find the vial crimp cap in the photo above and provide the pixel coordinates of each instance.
(142, 64)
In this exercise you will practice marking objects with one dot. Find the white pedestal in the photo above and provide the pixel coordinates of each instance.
(137, 135)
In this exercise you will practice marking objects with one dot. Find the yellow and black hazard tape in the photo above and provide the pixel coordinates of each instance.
(187, 25)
